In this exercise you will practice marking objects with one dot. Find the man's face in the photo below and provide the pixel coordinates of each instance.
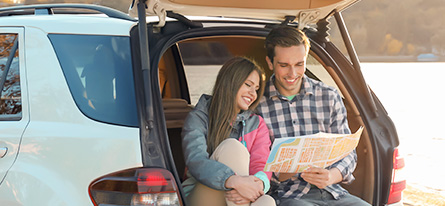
(289, 65)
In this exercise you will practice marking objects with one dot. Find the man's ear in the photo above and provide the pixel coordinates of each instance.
(269, 63)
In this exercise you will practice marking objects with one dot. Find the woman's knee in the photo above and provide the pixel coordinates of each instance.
(230, 150)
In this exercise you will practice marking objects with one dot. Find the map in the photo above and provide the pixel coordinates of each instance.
(295, 154)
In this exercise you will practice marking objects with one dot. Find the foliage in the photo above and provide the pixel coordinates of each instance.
(10, 94)
(377, 27)
(397, 27)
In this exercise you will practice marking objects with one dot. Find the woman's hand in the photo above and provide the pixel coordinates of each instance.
(235, 197)
(249, 187)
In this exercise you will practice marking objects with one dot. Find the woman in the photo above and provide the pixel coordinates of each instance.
(225, 144)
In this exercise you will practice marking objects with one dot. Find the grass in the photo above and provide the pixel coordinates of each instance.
(414, 196)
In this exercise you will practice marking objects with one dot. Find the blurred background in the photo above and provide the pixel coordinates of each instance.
(382, 30)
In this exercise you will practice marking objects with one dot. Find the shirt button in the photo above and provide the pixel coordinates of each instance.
(294, 122)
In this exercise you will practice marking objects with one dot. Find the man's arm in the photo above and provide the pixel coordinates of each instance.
(339, 124)
(346, 166)
(341, 171)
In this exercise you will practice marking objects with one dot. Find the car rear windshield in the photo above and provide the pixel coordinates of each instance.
(99, 73)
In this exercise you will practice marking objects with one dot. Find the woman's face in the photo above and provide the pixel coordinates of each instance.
(247, 93)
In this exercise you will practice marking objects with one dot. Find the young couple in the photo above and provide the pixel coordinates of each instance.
(226, 144)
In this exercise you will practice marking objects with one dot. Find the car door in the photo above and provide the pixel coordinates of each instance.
(13, 108)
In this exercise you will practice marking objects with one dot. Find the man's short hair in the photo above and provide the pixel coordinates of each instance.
(285, 36)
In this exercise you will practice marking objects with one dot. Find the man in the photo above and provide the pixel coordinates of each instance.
(295, 105)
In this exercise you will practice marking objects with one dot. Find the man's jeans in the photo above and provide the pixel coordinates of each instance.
(321, 197)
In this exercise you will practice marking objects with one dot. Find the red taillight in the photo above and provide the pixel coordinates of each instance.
(138, 186)
(398, 183)
(152, 179)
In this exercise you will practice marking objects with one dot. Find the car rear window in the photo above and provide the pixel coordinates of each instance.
(203, 58)
(99, 74)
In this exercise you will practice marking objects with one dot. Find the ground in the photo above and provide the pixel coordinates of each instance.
(414, 196)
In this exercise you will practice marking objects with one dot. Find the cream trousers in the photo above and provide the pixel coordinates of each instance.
(235, 155)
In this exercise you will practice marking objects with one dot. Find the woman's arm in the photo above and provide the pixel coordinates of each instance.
(208, 172)
(259, 152)
(249, 187)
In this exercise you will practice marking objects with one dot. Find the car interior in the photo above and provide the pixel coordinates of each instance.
(188, 69)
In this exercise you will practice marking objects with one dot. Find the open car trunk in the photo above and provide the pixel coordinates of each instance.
(184, 57)
(201, 67)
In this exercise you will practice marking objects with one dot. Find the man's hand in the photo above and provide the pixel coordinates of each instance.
(322, 177)
(249, 187)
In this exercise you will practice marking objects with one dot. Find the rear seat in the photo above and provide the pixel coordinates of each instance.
(176, 110)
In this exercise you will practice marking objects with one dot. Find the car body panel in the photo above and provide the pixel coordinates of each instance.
(62, 151)
(51, 163)
(11, 131)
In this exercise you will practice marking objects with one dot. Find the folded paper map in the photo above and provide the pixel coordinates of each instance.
(295, 154)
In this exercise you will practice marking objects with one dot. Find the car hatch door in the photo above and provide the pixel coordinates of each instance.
(303, 11)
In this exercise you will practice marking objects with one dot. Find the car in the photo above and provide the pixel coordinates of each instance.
(93, 99)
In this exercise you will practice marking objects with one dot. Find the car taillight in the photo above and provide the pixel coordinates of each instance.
(398, 183)
(138, 187)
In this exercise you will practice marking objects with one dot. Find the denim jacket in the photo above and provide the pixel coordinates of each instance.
(248, 128)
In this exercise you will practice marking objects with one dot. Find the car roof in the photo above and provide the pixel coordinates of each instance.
(93, 19)
(304, 11)
(71, 24)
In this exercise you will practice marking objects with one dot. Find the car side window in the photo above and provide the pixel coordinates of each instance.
(99, 73)
(10, 97)
(202, 62)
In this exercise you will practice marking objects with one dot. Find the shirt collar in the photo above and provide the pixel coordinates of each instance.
(272, 91)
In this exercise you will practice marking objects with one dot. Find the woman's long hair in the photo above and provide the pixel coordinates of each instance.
(223, 107)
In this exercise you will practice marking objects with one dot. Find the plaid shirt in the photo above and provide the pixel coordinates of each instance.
(316, 108)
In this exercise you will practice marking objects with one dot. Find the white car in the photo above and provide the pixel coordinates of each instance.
(93, 100)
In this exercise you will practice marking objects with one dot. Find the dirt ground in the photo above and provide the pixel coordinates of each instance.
(413, 196)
